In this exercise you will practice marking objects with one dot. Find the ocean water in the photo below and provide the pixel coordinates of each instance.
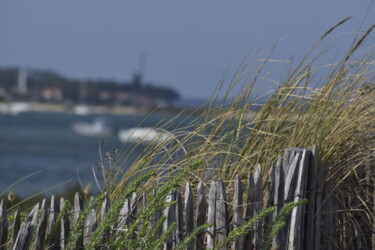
(45, 145)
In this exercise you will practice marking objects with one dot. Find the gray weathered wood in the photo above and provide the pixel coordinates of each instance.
(77, 208)
(295, 240)
(318, 208)
(90, 225)
(64, 226)
(189, 213)
(156, 215)
(278, 196)
(133, 208)
(310, 211)
(221, 218)
(249, 212)
(201, 216)
(170, 214)
(238, 211)
(270, 194)
(25, 234)
(103, 212)
(41, 227)
(179, 232)
(53, 235)
(258, 231)
(211, 215)
(290, 178)
(3, 225)
(16, 225)
(123, 217)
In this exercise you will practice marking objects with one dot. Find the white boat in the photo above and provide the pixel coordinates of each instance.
(98, 128)
(81, 109)
(145, 135)
(15, 108)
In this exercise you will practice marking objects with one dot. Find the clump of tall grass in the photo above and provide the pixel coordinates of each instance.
(332, 107)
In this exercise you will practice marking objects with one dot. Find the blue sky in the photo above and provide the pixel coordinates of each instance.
(189, 44)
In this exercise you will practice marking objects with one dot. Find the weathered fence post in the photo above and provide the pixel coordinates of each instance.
(41, 227)
(311, 188)
(278, 200)
(238, 211)
(65, 225)
(170, 214)
(3, 225)
(179, 219)
(90, 225)
(25, 234)
(16, 225)
(249, 213)
(201, 215)
(53, 233)
(156, 215)
(189, 214)
(297, 218)
(211, 215)
(221, 217)
(258, 206)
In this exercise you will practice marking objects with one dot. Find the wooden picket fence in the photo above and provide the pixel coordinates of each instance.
(291, 179)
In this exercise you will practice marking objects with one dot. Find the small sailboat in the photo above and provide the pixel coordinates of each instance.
(97, 128)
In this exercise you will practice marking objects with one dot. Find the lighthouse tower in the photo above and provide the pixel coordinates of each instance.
(22, 82)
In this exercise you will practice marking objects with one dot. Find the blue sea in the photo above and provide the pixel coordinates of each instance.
(45, 146)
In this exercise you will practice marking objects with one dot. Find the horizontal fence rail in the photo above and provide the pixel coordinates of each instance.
(291, 179)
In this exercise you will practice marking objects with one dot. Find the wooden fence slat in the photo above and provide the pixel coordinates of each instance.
(250, 207)
(3, 225)
(270, 194)
(41, 227)
(25, 234)
(54, 237)
(290, 178)
(65, 226)
(77, 208)
(297, 216)
(318, 208)
(291, 173)
(238, 211)
(310, 212)
(105, 207)
(211, 215)
(278, 196)
(258, 231)
(123, 216)
(221, 220)
(16, 225)
(103, 212)
(179, 232)
(133, 208)
(170, 214)
(90, 225)
(201, 216)
(156, 215)
(189, 213)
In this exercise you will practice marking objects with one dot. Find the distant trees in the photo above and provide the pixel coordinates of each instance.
(91, 91)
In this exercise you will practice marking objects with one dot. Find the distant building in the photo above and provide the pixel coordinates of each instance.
(52, 94)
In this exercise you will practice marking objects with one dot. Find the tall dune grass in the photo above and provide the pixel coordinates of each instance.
(336, 112)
